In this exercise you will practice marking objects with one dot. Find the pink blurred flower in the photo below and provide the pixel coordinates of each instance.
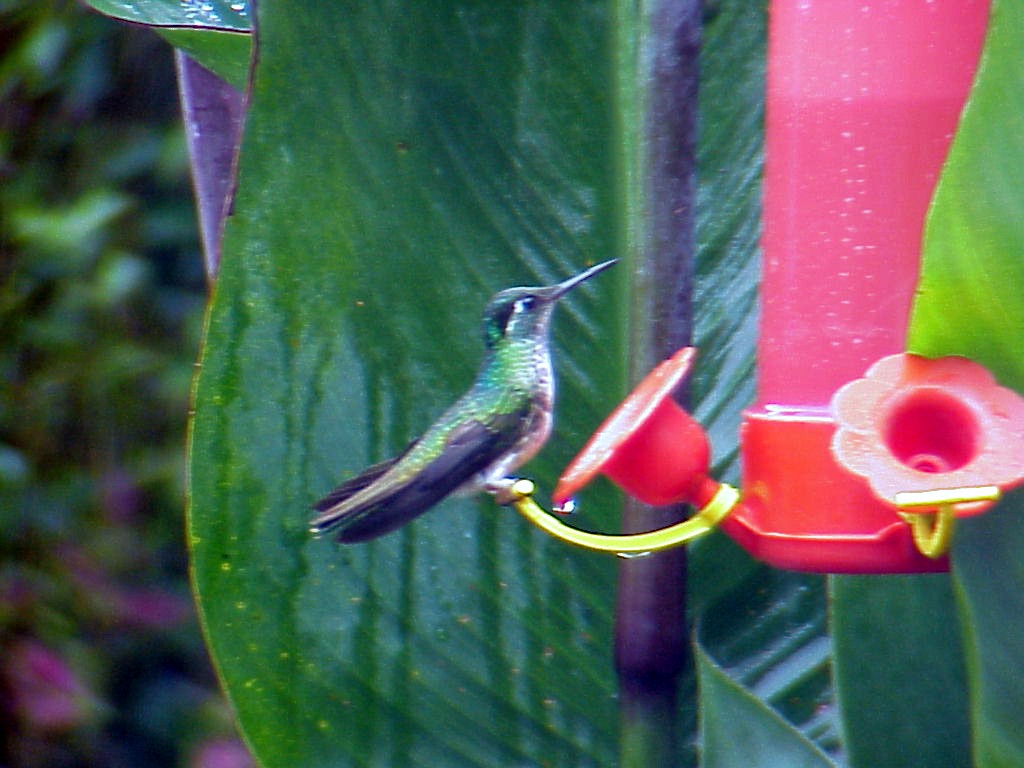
(136, 606)
(151, 607)
(221, 753)
(46, 693)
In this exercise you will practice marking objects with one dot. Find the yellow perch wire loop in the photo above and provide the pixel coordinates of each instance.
(626, 545)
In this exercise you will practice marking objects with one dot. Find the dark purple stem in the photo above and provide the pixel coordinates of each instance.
(213, 113)
(651, 635)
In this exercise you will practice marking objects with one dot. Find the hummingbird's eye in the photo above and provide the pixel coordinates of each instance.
(526, 303)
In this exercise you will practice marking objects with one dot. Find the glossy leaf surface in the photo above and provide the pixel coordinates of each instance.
(213, 32)
(226, 54)
(198, 14)
(769, 637)
(738, 728)
(389, 184)
(900, 633)
(969, 300)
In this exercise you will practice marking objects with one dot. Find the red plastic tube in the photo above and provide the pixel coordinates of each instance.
(863, 100)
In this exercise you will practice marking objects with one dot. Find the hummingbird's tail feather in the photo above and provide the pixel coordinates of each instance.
(392, 512)
(374, 514)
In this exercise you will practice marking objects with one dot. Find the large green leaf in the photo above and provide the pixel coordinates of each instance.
(990, 584)
(970, 302)
(739, 730)
(899, 633)
(401, 162)
(768, 636)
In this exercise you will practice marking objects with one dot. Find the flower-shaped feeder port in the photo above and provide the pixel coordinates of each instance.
(656, 452)
(933, 438)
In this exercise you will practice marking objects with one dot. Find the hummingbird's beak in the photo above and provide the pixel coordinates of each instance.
(560, 289)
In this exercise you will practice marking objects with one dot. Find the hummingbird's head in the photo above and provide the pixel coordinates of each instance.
(522, 313)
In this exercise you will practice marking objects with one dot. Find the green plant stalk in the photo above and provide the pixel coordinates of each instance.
(647, 731)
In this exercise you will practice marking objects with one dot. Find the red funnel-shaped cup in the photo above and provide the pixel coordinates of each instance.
(649, 446)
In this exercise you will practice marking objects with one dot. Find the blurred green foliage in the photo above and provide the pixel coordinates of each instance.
(101, 299)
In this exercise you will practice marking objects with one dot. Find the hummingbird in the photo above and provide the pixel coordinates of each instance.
(496, 426)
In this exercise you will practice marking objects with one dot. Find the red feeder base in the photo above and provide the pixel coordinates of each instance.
(802, 511)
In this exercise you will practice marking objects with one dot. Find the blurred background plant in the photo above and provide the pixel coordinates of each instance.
(101, 300)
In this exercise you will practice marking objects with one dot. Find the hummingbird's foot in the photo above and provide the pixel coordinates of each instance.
(504, 491)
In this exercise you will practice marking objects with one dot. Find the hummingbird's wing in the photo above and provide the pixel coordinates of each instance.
(352, 486)
(391, 493)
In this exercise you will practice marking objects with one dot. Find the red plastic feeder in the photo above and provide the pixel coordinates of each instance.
(863, 100)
